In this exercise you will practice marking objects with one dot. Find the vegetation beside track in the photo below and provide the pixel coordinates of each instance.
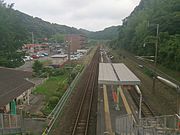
(118, 55)
(63, 121)
(54, 87)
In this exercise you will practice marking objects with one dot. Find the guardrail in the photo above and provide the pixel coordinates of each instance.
(60, 105)
(10, 124)
(159, 125)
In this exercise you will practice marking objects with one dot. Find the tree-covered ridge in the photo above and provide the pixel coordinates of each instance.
(141, 26)
(106, 34)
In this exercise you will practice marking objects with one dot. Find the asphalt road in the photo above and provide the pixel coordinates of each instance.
(27, 66)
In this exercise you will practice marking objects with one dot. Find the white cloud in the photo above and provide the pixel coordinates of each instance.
(88, 14)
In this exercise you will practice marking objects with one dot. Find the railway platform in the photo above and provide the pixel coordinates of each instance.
(121, 109)
(112, 102)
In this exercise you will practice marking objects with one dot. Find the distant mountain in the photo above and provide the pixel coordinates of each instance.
(106, 34)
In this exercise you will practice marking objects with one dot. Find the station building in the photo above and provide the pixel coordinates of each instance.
(15, 89)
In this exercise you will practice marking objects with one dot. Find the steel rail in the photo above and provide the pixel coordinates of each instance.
(146, 109)
(91, 100)
(90, 78)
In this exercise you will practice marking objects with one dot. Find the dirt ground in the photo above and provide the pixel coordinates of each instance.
(164, 101)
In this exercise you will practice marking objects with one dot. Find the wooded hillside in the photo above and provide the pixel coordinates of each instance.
(141, 27)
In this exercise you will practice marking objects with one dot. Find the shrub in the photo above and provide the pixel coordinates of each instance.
(53, 101)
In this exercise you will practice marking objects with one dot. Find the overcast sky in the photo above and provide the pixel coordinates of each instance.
(88, 14)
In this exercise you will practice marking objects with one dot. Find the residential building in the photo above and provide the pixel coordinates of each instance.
(34, 48)
(15, 89)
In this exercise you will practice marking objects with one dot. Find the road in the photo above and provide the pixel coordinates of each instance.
(28, 64)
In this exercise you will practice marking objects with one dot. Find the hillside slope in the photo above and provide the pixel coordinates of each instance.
(141, 27)
(109, 33)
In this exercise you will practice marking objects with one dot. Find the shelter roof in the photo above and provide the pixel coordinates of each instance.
(116, 73)
(106, 74)
(125, 75)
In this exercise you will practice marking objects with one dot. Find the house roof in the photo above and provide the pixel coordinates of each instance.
(12, 84)
(34, 45)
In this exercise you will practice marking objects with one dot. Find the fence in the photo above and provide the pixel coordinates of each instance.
(10, 124)
(125, 125)
(160, 125)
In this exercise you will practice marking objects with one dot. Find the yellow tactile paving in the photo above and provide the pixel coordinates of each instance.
(128, 110)
(106, 112)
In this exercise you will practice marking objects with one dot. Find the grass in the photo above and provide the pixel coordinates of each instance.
(50, 86)
(53, 87)
(172, 73)
(148, 72)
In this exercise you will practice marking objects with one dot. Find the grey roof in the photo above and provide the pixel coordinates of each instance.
(12, 84)
(126, 76)
(116, 73)
(106, 74)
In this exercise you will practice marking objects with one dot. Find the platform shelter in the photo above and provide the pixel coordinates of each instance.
(117, 74)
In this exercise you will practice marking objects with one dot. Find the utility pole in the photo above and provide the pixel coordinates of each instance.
(155, 58)
(69, 50)
(32, 38)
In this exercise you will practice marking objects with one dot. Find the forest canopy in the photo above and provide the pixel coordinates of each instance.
(141, 27)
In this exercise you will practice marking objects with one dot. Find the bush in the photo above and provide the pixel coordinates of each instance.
(57, 72)
(53, 101)
(148, 72)
(37, 67)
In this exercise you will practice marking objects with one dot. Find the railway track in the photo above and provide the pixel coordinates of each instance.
(82, 120)
(149, 66)
(146, 109)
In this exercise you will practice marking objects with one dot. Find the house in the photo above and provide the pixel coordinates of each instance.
(34, 48)
(15, 89)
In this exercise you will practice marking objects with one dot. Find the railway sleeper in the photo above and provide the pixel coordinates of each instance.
(153, 123)
(81, 123)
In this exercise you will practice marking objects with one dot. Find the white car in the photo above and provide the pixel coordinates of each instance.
(27, 58)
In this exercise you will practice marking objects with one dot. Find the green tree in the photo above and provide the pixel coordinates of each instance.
(137, 28)
(37, 67)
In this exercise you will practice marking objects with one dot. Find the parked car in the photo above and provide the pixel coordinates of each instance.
(45, 54)
(41, 55)
(35, 56)
(27, 58)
